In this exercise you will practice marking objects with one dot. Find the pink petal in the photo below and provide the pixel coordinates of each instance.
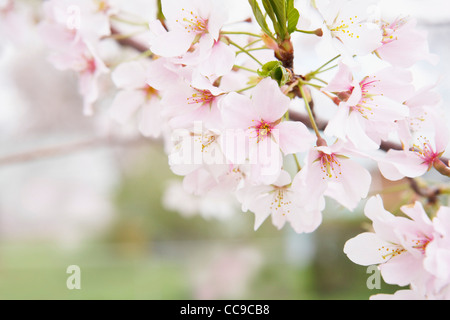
(363, 249)
(268, 100)
(294, 137)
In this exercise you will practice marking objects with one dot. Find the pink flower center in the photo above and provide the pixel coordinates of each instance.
(421, 244)
(202, 97)
(330, 165)
(89, 65)
(390, 30)
(150, 92)
(193, 23)
(7, 8)
(425, 151)
(262, 129)
(366, 105)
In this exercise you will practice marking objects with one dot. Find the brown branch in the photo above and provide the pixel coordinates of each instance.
(66, 149)
(431, 194)
(129, 42)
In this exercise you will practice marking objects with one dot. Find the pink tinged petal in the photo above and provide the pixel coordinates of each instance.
(382, 219)
(150, 124)
(364, 249)
(343, 81)
(268, 100)
(338, 124)
(442, 221)
(237, 111)
(406, 47)
(402, 269)
(361, 38)
(437, 261)
(351, 185)
(260, 206)
(217, 18)
(356, 133)
(294, 137)
(304, 220)
(160, 76)
(398, 164)
(129, 75)
(384, 109)
(198, 182)
(394, 83)
(417, 213)
(442, 137)
(125, 105)
(283, 180)
(220, 62)
(172, 43)
(310, 175)
(88, 88)
(266, 160)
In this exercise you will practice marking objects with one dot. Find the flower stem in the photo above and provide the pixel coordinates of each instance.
(244, 68)
(241, 33)
(245, 51)
(245, 89)
(310, 113)
(319, 70)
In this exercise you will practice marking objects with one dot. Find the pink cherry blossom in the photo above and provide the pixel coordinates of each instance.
(370, 108)
(404, 45)
(424, 108)
(420, 157)
(68, 21)
(351, 26)
(189, 22)
(260, 119)
(398, 244)
(333, 174)
(136, 94)
(278, 201)
(197, 100)
(83, 60)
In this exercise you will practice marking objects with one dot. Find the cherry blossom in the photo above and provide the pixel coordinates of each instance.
(189, 22)
(404, 45)
(370, 109)
(424, 152)
(278, 201)
(244, 125)
(351, 25)
(261, 120)
(333, 174)
(84, 61)
(136, 94)
(398, 244)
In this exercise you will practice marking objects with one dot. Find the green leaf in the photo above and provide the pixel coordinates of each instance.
(260, 18)
(276, 71)
(276, 10)
(269, 10)
(279, 8)
(292, 16)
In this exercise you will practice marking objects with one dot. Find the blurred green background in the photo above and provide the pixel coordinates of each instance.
(150, 253)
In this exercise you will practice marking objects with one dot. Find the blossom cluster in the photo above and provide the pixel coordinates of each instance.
(412, 250)
(222, 95)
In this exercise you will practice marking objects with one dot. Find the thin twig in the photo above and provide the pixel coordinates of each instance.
(66, 149)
